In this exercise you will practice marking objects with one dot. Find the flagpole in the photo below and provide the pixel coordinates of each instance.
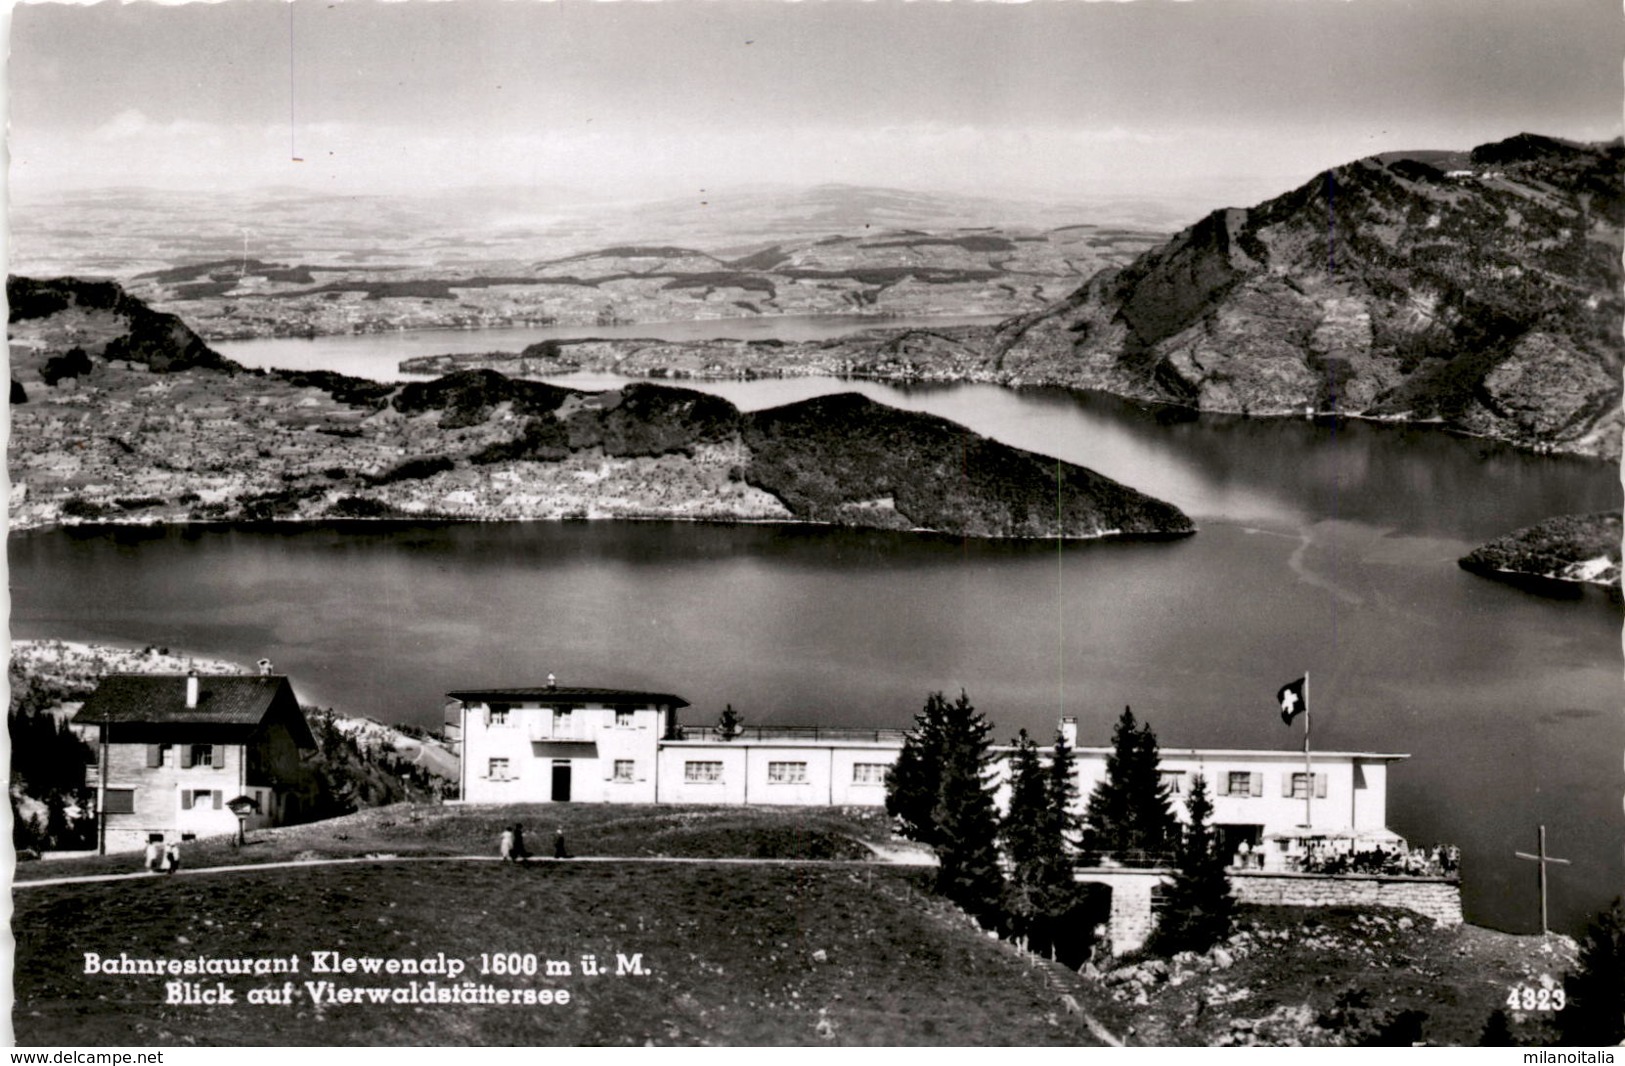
(1308, 770)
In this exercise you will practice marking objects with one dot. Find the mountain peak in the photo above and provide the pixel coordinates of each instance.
(1478, 289)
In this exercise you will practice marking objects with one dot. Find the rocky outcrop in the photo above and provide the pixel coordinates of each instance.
(1478, 291)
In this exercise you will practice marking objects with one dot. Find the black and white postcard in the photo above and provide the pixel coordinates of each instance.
(740, 522)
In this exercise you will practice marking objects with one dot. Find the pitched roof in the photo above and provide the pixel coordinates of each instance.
(160, 699)
(547, 694)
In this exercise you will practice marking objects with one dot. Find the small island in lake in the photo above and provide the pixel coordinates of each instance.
(123, 415)
(1580, 549)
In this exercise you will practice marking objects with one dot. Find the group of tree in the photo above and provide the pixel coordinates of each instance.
(1130, 820)
(47, 767)
(1130, 817)
(1045, 904)
(347, 774)
(941, 793)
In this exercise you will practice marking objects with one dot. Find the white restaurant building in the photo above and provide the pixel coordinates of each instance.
(599, 745)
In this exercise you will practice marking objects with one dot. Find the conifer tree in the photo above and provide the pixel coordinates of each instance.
(1129, 815)
(1023, 833)
(968, 869)
(1595, 1009)
(1199, 904)
(915, 779)
(940, 793)
(1062, 795)
(1044, 900)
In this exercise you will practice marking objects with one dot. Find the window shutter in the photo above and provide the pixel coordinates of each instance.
(155, 755)
(186, 755)
(1320, 786)
(1223, 785)
(1286, 785)
(186, 799)
(1258, 783)
(219, 799)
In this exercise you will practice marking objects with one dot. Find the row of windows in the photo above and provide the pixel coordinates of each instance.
(704, 771)
(501, 714)
(122, 800)
(699, 772)
(500, 769)
(1251, 783)
(189, 755)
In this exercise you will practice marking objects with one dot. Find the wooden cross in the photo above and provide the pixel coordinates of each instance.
(1543, 859)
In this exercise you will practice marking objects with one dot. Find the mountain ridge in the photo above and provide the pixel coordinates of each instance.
(1486, 300)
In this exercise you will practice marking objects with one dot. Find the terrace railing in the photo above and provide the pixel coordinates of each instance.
(815, 733)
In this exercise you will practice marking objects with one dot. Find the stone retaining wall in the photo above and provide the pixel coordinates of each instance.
(1431, 897)
(1132, 918)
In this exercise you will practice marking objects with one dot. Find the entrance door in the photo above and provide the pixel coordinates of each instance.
(1232, 837)
(561, 781)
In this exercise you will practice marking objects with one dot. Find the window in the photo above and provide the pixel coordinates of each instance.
(699, 773)
(624, 769)
(498, 770)
(155, 754)
(1174, 779)
(197, 755)
(787, 773)
(623, 719)
(202, 799)
(1243, 783)
(1297, 786)
(497, 715)
(561, 722)
(120, 801)
(868, 773)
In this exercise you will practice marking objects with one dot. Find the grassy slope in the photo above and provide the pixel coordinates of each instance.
(630, 830)
(732, 948)
(732, 954)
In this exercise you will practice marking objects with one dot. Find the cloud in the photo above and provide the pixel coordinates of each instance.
(131, 124)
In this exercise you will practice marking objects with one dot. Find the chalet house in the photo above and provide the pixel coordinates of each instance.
(550, 744)
(173, 751)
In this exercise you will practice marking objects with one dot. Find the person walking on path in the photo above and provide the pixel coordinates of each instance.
(155, 853)
(519, 852)
(559, 850)
(172, 857)
(505, 845)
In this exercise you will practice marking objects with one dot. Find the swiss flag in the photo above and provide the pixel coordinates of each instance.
(1292, 699)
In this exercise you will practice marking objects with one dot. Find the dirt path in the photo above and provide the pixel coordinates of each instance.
(903, 857)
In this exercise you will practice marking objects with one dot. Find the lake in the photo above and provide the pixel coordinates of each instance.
(1326, 548)
(378, 355)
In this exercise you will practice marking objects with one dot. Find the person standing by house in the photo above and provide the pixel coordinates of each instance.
(505, 845)
(559, 850)
(155, 852)
(172, 857)
(519, 852)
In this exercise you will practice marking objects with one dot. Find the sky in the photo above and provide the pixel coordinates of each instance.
(1230, 99)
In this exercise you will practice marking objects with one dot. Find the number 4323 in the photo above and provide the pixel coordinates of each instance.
(1523, 998)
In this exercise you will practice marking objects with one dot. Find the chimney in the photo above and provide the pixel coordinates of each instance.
(265, 666)
(1069, 731)
(191, 689)
(552, 682)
